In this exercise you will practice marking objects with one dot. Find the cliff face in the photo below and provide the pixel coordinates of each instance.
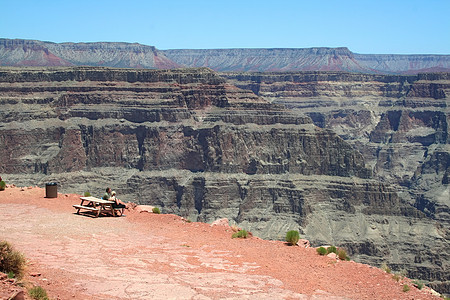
(399, 123)
(120, 55)
(307, 59)
(126, 55)
(192, 143)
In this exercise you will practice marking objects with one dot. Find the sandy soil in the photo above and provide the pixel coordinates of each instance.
(149, 256)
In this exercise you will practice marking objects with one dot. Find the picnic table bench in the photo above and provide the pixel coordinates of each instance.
(95, 205)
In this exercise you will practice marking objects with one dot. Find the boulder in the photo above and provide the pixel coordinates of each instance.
(221, 222)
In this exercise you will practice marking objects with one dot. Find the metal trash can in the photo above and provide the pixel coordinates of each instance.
(51, 190)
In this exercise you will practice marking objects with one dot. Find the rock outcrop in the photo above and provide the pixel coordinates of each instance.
(188, 141)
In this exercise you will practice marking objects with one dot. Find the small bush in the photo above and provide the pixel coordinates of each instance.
(406, 288)
(38, 293)
(87, 194)
(2, 185)
(156, 210)
(292, 237)
(418, 284)
(331, 249)
(11, 274)
(342, 254)
(385, 268)
(321, 250)
(242, 234)
(11, 261)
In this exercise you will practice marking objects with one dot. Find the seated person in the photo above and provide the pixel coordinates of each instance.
(112, 197)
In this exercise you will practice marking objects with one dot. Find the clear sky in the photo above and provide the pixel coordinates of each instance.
(364, 26)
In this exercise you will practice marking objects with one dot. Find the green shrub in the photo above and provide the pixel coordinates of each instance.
(331, 249)
(342, 254)
(11, 274)
(11, 261)
(406, 288)
(87, 194)
(38, 293)
(156, 210)
(2, 185)
(242, 234)
(385, 268)
(321, 250)
(418, 284)
(292, 237)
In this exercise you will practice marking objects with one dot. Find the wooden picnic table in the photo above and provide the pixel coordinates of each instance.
(95, 205)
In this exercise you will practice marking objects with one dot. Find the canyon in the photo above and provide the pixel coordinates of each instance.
(360, 161)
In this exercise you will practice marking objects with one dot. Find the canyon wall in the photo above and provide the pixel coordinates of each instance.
(19, 52)
(399, 124)
(307, 59)
(194, 144)
(121, 55)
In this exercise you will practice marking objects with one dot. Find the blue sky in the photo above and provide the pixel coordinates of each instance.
(376, 26)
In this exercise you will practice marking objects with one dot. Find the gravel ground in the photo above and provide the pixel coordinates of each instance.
(148, 256)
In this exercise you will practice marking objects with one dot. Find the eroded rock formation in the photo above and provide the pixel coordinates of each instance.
(190, 142)
(126, 55)
(399, 124)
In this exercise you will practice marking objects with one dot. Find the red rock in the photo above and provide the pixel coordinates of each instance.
(144, 208)
(332, 255)
(304, 243)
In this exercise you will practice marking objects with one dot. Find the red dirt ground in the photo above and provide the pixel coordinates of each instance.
(149, 256)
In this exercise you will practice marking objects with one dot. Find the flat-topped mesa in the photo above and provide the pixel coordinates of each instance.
(307, 59)
(109, 54)
(267, 60)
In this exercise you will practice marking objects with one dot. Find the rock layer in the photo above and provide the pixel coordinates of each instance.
(190, 142)
(307, 59)
(399, 123)
(126, 55)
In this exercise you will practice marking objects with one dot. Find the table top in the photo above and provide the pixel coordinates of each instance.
(97, 200)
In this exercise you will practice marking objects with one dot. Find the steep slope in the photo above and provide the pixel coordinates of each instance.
(195, 145)
(122, 55)
(307, 59)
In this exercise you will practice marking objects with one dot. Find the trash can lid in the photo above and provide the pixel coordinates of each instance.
(51, 183)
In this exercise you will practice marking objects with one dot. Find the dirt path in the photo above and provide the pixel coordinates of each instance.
(148, 256)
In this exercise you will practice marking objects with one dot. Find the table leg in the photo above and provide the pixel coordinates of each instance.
(99, 209)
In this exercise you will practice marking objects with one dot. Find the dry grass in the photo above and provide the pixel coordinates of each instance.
(11, 261)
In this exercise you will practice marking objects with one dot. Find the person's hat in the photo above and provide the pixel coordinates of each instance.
(113, 193)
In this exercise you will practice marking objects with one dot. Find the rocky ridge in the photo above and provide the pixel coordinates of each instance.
(19, 52)
(120, 55)
(192, 143)
(307, 59)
